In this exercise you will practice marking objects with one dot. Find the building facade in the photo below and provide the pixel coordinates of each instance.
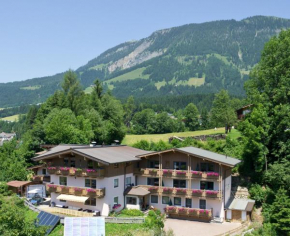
(186, 182)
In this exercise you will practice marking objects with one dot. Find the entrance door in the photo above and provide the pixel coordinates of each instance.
(236, 215)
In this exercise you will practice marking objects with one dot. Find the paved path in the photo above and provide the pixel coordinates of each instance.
(195, 228)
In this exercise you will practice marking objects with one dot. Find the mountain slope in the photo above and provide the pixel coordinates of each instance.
(190, 59)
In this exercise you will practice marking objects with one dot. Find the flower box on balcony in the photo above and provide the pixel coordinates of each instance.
(211, 193)
(196, 174)
(51, 188)
(193, 212)
(181, 211)
(51, 170)
(170, 209)
(167, 190)
(204, 213)
(63, 189)
(116, 206)
(212, 175)
(153, 189)
(181, 191)
(167, 172)
(91, 172)
(91, 192)
(64, 170)
(196, 192)
(78, 172)
(37, 178)
(153, 172)
(181, 173)
(78, 191)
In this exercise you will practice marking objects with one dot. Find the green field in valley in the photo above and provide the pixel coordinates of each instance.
(31, 87)
(132, 138)
(14, 118)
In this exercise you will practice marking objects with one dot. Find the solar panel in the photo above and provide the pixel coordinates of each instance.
(47, 219)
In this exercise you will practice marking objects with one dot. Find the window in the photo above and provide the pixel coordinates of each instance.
(116, 183)
(188, 202)
(63, 180)
(44, 171)
(153, 181)
(128, 181)
(116, 165)
(131, 200)
(179, 183)
(207, 167)
(206, 185)
(178, 165)
(177, 201)
(90, 183)
(202, 204)
(73, 162)
(116, 200)
(65, 161)
(165, 200)
(167, 164)
(91, 202)
(154, 199)
(90, 164)
(153, 164)
(62, 200)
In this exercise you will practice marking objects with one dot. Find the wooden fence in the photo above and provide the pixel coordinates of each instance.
(31, 206)
(236, 230)
(123, 220)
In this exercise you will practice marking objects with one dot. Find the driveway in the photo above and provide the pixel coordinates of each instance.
(195, 228)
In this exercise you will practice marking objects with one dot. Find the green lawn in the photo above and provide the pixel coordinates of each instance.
(11, 118)
(89, 89)
(131, 139)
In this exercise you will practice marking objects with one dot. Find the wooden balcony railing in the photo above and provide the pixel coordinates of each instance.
(77, 191)
(183, 191)
(41, 178)
(170, 173)
(81, 172)
(204, 214)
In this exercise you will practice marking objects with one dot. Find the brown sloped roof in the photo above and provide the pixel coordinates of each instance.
(136, 191)
(18, 184)
(104, 154)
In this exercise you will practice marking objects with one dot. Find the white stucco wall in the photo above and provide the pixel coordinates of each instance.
(104, 204)
(227, 184)
(218, 207)
(244, 215)
(229, 214)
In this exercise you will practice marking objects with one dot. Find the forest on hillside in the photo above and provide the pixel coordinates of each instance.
(71, 116)
(191, 59)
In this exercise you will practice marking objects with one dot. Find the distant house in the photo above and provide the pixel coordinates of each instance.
(6, 137)
(242, 112)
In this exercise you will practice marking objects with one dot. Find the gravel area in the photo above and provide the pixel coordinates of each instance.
(195, 228)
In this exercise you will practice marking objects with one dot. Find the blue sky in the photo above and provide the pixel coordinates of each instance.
(40, 38)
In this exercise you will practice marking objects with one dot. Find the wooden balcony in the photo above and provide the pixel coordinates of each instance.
(77, 191)
(176, 174)
(189, 213)
(188, 193)
(80, 172)
(41, 178)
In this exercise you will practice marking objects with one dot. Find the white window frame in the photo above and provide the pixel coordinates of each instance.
(129, 177)
(199, 203)
(114, 200)
(206, 181)
(154, 202)
(114, 182)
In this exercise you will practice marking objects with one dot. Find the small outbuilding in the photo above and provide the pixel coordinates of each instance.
(239, 209)
(18, 187)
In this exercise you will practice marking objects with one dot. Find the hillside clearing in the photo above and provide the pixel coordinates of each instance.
(31, 87)
(129, 76)
(14, 118)
(130, 139)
